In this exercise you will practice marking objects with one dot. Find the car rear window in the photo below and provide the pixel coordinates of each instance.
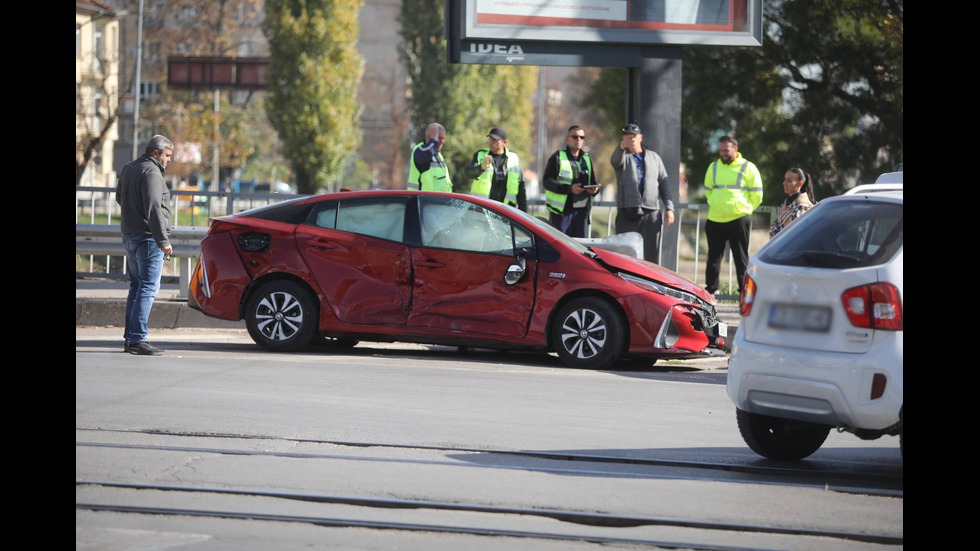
(293, 211)
(840, 234)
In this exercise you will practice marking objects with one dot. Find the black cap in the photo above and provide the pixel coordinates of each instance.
(632, 129)
(497, 133)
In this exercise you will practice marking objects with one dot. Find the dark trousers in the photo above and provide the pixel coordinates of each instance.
(736, 235)
(649, 224)
(572, 222)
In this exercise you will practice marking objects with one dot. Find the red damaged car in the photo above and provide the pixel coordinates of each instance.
(442, 268)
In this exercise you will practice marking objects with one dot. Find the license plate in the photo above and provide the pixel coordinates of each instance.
(722, 329)
(799, 318)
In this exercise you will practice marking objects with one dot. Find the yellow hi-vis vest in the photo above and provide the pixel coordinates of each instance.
(557, 201)
(435, 178)
(483, 182)
(733, 190)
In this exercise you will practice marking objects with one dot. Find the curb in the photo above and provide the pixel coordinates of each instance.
(165, 314)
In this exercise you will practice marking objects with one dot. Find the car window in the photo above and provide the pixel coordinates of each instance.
(842, 234)
(377, 217)
(461, 225)
(327, 216)
(293, 211)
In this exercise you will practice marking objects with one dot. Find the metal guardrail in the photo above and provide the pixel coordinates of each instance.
(104, 239)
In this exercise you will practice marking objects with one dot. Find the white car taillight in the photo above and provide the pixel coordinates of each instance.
(875, 306)
(747, 296)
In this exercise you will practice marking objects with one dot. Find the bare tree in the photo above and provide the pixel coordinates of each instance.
(97, 83)
(95, 119)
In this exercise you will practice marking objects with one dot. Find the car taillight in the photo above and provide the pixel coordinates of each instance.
(221, 227)
(747, 296)
(875, 306)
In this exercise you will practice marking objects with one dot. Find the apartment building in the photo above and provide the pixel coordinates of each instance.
(96, 91)
(384, 119)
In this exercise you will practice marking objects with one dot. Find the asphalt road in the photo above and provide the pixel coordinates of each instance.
(219, 445)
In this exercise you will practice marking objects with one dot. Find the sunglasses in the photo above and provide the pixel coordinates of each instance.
(582, 137)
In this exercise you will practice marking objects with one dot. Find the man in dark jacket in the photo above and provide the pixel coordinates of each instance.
(570, 185)
(641, 185)
(144, 202)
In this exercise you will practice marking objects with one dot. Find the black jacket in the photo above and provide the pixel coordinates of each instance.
(144, 200)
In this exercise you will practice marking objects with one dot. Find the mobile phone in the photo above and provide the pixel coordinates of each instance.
(591, 186)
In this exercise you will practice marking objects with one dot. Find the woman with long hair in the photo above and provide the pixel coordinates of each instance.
(799, 199)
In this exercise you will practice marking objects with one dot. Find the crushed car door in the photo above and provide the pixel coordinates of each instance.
(459, 270)
(355, 252)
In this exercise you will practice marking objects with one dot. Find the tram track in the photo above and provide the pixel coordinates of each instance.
(565, 515)
(886, 484)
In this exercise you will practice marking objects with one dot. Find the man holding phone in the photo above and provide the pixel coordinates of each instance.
(641, 186)
(570, 185)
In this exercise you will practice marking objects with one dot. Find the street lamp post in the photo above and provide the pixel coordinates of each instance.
(137, 85)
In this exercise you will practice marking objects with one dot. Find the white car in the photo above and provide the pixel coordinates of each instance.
(820, 342)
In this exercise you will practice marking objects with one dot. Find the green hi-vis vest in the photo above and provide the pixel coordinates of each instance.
(732, 191)
(435, 178)
(557, 201)
(482, 183)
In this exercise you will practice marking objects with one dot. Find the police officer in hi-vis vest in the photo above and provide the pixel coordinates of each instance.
(570, 184)
(733, 189)
(496, 172)
(427, 169)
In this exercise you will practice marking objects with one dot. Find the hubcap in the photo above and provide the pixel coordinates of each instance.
(279, 316)
(583, 333)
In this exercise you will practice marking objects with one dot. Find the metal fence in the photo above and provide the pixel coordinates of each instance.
(100, 254)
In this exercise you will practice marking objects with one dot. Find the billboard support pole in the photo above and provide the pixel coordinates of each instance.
(660, 84)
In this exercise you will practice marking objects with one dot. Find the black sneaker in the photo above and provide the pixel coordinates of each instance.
(143, 349)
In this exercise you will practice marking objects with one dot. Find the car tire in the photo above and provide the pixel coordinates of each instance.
(281, 315)
(336, 342)
(783, 439)
(588, 333)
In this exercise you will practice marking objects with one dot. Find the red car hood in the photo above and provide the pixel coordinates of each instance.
(642, 268)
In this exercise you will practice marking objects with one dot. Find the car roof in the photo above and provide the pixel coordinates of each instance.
(861, 193)
(890, 178)
(888, 181)
(344, 192)
(865, 189)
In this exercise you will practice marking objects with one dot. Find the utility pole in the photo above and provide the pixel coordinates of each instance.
(137, 84)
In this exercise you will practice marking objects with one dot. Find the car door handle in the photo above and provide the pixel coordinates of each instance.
(320, 244)
(431, 264)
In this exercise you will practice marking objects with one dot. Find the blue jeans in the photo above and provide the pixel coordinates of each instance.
(145, 260)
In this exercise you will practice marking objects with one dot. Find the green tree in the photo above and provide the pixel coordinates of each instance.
(203, 28)
(314, 72)
(824, 92)
(843, 65)
(467, 99)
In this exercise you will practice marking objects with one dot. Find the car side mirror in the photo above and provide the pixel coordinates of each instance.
(515, 271)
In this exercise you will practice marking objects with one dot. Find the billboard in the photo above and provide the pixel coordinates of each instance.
(649, 22)
(596, 33)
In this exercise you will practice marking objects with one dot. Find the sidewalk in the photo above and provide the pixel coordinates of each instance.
(100, 303)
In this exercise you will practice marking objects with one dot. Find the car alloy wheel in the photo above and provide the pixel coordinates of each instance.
(588, 333)
(281, 315)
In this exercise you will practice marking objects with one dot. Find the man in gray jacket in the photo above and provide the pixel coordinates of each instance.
(144, 202)
(641, 185)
